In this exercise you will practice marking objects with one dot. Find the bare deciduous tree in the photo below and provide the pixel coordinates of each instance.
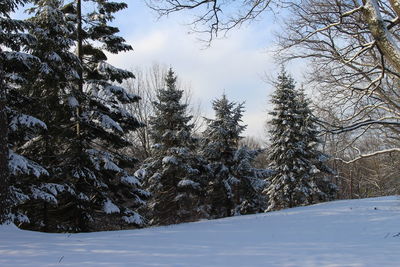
(357, 177)
(352, 45)
(147, 83)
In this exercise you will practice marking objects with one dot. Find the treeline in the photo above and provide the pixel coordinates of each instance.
(66, 156)
(353, 68)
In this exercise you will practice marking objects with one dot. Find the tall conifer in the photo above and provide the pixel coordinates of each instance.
(108, 193)
(173, 174)
(89, 186)
(51, 84)
(293, 151)
(15, 123)
(320, 173)
(234, 187)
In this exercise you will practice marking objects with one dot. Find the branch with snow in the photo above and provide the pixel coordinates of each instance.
(364, 156)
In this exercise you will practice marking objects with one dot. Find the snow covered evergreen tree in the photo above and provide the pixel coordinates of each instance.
(108, 196)
(14, 118)
(248, 196)
(293, 151)
(51, 84)
(173, 174)
(88, 186)
(234, 187)
(320, 173)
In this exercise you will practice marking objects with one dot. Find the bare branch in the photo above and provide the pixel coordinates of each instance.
(212, 17)
(363, 156)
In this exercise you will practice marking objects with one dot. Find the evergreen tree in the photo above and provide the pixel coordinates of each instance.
(107, 192)
(234, 187)
(293, 150)
(248, 196)
(52, 86)
(320, 173)
(173, 174)
(89, 186)
(14, 64)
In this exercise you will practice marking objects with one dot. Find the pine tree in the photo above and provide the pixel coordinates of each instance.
(234, 187)
(249, 198)
(320, 173)
(289, 186)
(14, 64)
(107, 192)
(293, 155)
(52, 86)
(173, 174)
(89, 186)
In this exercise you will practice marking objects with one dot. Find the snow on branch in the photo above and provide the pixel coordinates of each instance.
(21, 165)
(363, 156)
(135, 218)
(103, 160)
(107, 123)
(130, 180)
(109, 207)
(334, 24)
(188, 183)
(26, 121)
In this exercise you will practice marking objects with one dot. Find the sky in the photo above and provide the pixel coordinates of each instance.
(237, 65)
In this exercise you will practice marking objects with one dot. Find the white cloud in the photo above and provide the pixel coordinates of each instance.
(234, 65)
(152, 44)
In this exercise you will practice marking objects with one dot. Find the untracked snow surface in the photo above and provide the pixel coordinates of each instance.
(342, 233)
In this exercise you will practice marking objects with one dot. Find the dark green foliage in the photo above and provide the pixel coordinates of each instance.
(51, 206)
(321, 173)
(294, 157)
(234, 187)
(88, 186)
(106, 188)
(173, 174)
(14, 121)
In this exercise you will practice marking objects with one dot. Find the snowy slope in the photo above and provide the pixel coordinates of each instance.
(341, 233)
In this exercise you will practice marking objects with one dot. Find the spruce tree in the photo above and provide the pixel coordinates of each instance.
(88, 187)
(234, 187)
(14, 121)
(173, 173)
(52, 86)
(249, 198)
(108, 193)
(293, 155)
(320, 173)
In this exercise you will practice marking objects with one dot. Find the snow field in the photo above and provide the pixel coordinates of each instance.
(351, 233)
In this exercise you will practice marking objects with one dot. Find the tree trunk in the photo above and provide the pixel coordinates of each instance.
(80, 56)
(4, 171)
(381, 34)
(396, 6)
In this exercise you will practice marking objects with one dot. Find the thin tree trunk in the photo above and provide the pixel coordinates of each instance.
(4, 171)
(80, 56)
(351, 185)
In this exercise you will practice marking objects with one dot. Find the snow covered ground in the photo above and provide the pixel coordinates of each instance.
(341, 233)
